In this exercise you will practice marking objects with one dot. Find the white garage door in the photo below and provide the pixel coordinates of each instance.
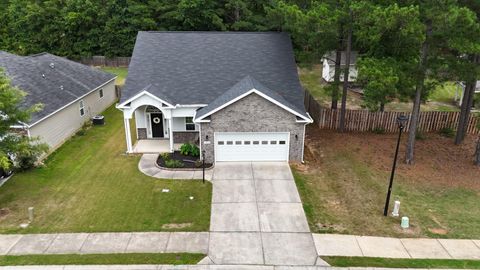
(251, 146)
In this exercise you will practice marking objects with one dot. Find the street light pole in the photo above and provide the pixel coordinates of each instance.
(401, 120)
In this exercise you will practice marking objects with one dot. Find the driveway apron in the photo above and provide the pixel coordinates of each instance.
(257, 216)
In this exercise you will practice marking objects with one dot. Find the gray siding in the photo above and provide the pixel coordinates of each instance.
(253, 114)
(57, 128)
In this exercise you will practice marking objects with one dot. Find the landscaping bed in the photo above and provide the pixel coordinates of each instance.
(188, 162)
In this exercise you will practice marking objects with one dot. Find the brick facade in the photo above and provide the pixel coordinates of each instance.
(186, 137)
(253, 114)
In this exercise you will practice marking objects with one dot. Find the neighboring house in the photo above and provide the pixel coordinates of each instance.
(328, 70)
(236, 94)
(461, 89)
(70, 93)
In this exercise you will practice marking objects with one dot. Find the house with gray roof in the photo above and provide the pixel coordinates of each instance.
(235, 94)
(70, 93)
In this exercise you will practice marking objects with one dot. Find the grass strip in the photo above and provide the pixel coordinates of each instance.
(401, 263)
(88, 259)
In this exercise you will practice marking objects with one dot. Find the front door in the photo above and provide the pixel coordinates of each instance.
(156, 120)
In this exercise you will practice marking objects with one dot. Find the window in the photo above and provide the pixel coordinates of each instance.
(238, 142)
(273, 142)
(189, 125)
(246, 142)
(256, 142)
(264, 142)
(221, 142)
(100, 93)
(282, 142)
(82, 108)
(229, 142)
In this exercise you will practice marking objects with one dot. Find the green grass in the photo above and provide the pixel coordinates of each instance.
(90, 185)
(86, 259)
(311, 79)
(444, 93)
(121, 72)
(401, 263)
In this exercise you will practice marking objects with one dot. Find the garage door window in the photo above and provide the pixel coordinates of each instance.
(264, 142)
(273, 142)
(238, 142)
(256, 142)
(221, 143)
(246, 142)
(229, 142)
(281, 142)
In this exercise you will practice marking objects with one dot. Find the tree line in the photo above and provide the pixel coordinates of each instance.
(407, 47)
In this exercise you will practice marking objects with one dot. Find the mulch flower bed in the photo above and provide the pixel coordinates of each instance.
(189, 162)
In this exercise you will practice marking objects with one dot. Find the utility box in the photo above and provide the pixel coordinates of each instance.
(98, 120)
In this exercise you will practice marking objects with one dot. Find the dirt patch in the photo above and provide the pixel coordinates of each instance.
(438, 231)
(4, 213)
(438, 161)
(171, 226)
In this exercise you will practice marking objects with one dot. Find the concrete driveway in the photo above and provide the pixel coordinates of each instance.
(257, 216)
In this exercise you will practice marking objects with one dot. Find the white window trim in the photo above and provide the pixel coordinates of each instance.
(185, 124)
(81, 105)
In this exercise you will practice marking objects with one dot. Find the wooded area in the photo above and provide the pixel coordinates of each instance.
(406, 47)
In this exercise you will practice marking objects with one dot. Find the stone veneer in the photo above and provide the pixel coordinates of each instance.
(142, 133)
(185, 137)
(253, 114)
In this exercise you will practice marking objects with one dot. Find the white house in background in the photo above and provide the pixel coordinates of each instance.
(71, 93)
(328, 70)
(235, 94)
(461, 90)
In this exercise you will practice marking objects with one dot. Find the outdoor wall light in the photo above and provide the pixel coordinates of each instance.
(296, 137)
(206, 137)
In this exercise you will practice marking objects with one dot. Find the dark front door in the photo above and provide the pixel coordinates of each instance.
(157, 125)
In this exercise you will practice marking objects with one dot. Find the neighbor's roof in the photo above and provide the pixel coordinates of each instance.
(331, 56)
(43, 81)
(199, 67)
(242, 87)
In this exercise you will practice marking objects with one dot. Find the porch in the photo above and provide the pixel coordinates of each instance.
(154, 146)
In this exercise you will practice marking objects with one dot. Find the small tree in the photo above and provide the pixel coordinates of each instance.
(15, 146)
(379, 78)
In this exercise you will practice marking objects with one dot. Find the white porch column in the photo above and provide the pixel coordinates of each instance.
(128, 135)
(170, 130)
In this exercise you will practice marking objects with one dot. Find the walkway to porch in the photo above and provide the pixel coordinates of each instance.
(154, 146)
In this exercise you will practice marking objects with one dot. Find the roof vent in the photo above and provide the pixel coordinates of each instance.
(43, 76)
(61, 87)
(52, 65)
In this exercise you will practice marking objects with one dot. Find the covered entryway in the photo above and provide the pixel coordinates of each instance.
(251, 146)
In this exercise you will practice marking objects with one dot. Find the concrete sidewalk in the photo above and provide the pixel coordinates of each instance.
(96, 243)
(192, 267)
(387, 247)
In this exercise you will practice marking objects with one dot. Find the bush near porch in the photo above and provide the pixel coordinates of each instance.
(90, 185)
(344, 182)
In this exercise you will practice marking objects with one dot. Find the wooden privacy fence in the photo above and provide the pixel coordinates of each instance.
(365, 121)
(107, 62)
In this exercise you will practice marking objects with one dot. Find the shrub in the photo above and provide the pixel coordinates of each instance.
(165, 156)
(188, 149)
(173, 163)
(447, 132)
(26, 162)
(378, 130)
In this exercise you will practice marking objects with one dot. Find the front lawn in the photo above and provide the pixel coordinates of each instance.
(90, 185)
(344, 182)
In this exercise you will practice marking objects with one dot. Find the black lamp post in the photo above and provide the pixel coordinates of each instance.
(401, 121)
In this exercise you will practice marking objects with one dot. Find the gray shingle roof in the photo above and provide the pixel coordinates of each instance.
(26, 72)
(198, 67)
(242, 87)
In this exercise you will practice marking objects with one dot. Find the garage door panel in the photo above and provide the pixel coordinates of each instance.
(251, 146)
